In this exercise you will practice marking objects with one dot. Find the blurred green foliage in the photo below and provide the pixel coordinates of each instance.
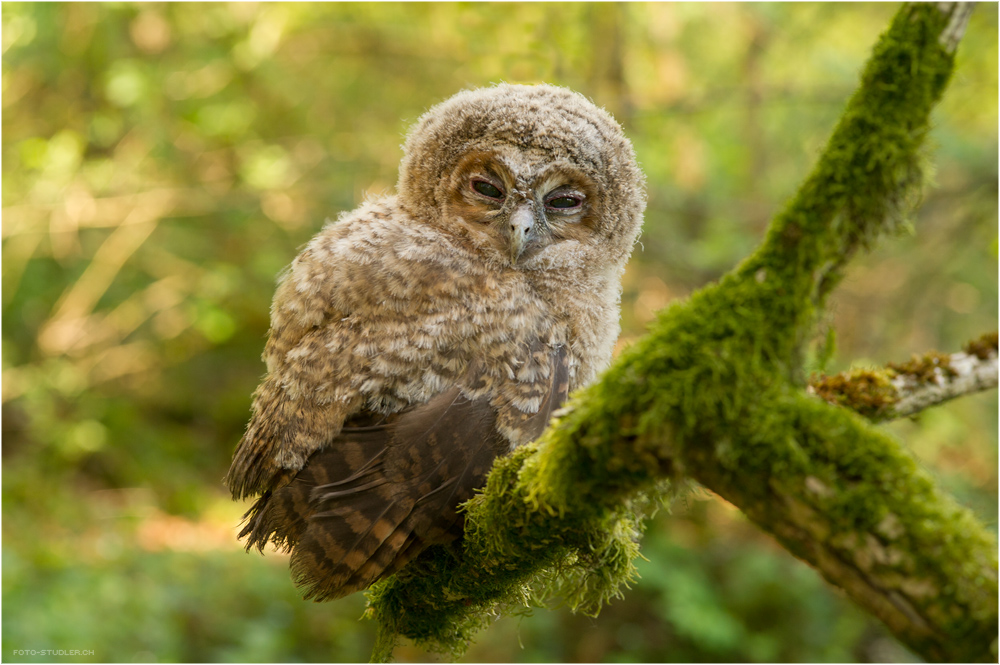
(162, 163)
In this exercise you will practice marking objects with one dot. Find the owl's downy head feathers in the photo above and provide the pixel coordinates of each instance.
(517, 168)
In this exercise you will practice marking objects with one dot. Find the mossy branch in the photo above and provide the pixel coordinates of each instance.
(904, 389)
(716, 392)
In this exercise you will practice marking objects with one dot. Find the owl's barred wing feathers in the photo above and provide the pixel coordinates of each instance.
(387, 487)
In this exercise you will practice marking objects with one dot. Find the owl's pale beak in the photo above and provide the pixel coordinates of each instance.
(521, 225)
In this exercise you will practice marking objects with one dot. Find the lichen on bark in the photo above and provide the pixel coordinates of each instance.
(716, 393)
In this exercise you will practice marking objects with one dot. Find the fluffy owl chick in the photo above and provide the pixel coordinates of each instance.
(418, 337)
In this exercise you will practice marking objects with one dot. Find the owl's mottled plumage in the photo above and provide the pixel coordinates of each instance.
(418, 337)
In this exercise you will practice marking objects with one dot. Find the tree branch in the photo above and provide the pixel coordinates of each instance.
(958, 20)
(903, 389)
(716, 393)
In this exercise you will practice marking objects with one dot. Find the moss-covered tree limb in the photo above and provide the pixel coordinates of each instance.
(716, 392)
(903, 389)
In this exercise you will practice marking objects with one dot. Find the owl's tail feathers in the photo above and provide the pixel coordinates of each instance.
(282, 516)
(377, 495)
(341, 554)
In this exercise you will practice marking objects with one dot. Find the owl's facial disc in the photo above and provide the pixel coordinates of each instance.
(511, 212)
(518, 204)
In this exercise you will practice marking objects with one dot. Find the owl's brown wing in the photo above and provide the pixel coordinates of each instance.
(387, 487)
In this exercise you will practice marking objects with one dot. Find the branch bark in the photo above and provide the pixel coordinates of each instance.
(716, 393)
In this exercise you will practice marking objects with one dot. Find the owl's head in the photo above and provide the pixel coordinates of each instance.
(519, 170)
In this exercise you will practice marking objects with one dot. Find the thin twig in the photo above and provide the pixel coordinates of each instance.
(904, 389)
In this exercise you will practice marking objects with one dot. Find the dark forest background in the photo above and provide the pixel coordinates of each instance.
(163, 163)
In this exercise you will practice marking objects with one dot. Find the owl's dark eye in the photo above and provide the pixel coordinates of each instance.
(564, 202)
(487, 189)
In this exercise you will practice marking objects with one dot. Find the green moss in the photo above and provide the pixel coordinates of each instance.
(714, 392)
(510, 559)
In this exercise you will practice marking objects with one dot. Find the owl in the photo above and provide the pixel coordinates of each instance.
(422, 335)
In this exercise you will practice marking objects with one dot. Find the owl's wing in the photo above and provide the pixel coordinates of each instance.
(385, 489)
(307, 393)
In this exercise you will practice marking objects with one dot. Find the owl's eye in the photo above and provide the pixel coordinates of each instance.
(487, 189)
(564, 202)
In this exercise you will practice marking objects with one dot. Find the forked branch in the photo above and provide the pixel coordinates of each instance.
(716, 392)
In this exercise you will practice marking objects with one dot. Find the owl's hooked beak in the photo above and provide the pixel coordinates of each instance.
(520, 230)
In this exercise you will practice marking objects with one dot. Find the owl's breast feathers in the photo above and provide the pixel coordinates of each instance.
(399, 367)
